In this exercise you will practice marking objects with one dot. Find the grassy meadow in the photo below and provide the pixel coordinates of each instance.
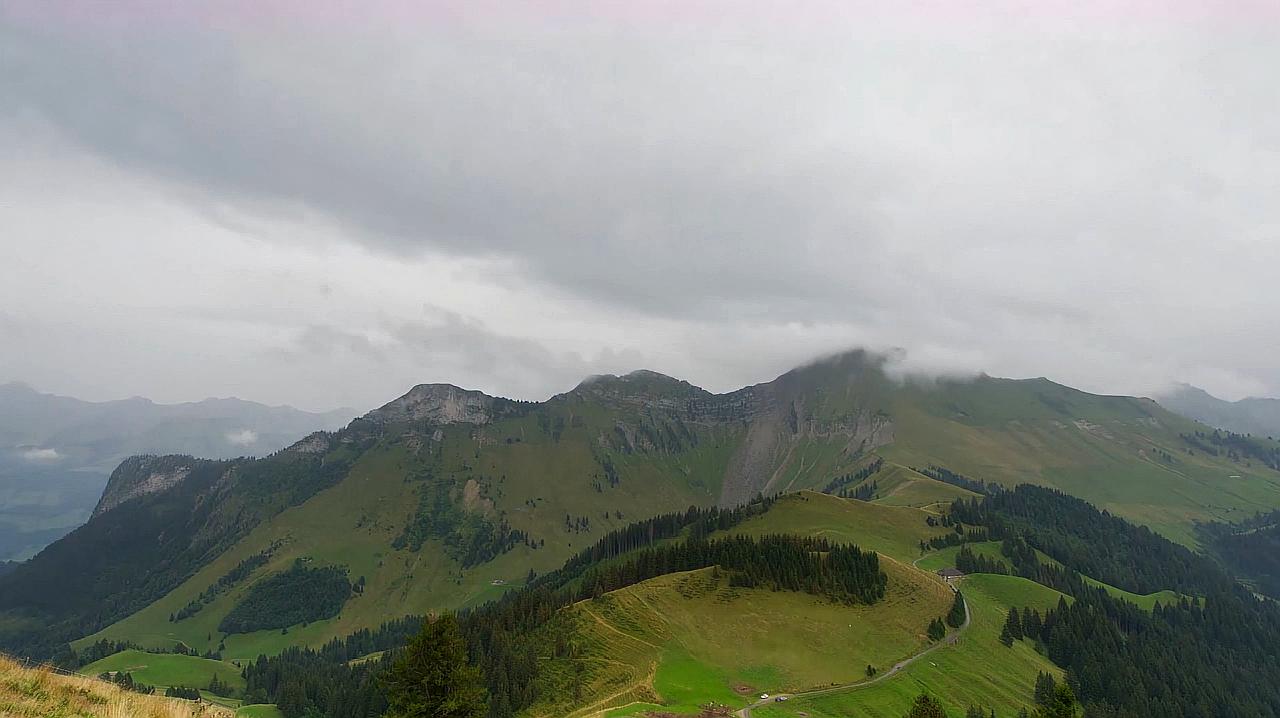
(976, 670)
(900, 486)
(991, 549)
(894, 531)
(680, 641)
(165, 669)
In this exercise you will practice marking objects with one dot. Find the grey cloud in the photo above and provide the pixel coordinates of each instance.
(449, 347)
(459, 346)
(643, 179)
(321, 340)
(1036, 199)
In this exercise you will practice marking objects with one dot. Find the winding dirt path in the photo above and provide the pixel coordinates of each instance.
(897, 667)
(617, 630)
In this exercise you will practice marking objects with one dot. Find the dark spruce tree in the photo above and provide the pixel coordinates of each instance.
(955, 617)
(433, 677)
(1060, 704)
(1045, 685)
(1014, 624)
(926, 706)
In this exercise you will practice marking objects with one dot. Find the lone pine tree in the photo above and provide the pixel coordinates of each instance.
(433, 678)
(926, 706)
(955, 617)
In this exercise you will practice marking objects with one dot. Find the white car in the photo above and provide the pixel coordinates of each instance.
(764, 696)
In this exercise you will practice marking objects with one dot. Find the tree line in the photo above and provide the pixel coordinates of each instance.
(1183, 659)
(695, 522)
(838, 484)
(299, 595)
(1213, 655)
(948, 476)
(777, 562)
(1093, 542)
(1240, 448)
(1249, 548)
(240, 572)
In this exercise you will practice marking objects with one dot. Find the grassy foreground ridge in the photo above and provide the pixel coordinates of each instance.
(42, 693)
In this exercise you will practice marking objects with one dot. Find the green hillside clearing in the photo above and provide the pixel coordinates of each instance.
(680, 641)
(991, 549)
(166, 669)
(977, 669)
(900, 486)
(891, 530)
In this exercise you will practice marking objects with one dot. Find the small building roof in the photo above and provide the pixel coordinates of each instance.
(950, 572)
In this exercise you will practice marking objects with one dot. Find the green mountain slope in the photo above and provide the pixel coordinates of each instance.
(1126, 455)
(445, 498)
(679, 641)
(946, 558)
(165, 670)
(893, 531)
(976, 670)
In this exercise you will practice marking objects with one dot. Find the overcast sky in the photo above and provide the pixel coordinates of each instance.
(323, 208)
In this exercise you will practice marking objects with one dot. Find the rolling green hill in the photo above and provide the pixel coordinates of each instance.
(900, 486)
(446, 498)
(165, 669)
(894, 531)
(682, 640)
(976, 670)
(991, 549)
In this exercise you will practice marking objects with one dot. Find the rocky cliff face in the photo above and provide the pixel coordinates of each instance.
(832, 400)
(438, 404)
(140, 475)
(765, 455)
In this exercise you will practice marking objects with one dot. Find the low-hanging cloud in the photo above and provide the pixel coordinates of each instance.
(242, 437)
(40, 455)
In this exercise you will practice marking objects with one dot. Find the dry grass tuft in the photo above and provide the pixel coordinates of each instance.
(42, 693)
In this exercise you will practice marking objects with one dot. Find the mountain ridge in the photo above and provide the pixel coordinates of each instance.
(1252, 415)
(58, 452)
(443, 496)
